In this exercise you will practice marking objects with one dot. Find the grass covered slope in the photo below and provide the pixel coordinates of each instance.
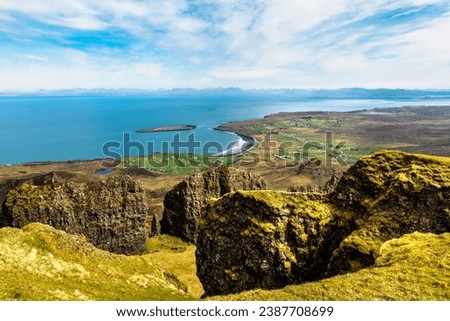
(179, 258)
(413, 267)
(38, 262)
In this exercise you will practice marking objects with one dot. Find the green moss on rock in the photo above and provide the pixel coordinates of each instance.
(390, 194)
(267, 239)
(415, 267)
(183, 204)
(110, 213)
(279, 238)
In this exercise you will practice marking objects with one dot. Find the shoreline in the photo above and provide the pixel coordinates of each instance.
(244, 144)
(247, 142)
(176, 128)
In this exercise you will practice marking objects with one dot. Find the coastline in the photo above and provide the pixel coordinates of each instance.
(244, 144)
(409, 116)
(176, 128)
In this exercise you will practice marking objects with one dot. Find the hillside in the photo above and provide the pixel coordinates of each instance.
(38, 262)
(381, 232)
(267, 239)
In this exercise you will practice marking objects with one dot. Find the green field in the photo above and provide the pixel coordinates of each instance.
(172, 164)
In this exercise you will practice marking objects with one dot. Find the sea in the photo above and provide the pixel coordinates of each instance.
(83, 127)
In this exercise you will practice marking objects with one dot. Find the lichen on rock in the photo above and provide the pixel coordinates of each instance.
(266, 239)
(111, 213)
(390, 194)
(183, 205)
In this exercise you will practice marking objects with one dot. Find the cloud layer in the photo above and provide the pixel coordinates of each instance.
(150, 44)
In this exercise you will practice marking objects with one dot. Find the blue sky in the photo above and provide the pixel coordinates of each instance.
(149, 44)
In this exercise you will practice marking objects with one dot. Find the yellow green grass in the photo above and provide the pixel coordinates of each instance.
(413, 267)
(41, 263)
(179, 258)
(175, 164)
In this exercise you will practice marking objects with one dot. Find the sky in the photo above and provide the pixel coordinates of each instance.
(153, 44)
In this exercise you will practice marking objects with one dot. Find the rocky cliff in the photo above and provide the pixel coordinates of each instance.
(110, 213)
(37, 180)
(265, 239)
(183, 204)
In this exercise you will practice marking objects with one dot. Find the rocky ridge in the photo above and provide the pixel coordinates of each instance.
(388, 195)
(183, 205)
(265, 239)
(37, 180)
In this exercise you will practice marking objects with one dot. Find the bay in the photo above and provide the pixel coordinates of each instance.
(34, 129)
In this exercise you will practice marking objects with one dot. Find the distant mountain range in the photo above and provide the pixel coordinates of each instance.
(344, 93)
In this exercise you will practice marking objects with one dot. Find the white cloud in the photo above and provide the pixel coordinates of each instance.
(148, 70)
(70, 13)
(231, 73)
(36, 58)
(270, 43)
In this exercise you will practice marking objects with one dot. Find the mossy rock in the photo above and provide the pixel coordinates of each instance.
(111, 213)
(390, 194)
(265, 239)
(183, 204)
(415, 267)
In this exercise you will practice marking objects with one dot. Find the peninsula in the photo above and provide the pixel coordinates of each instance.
(176, 128)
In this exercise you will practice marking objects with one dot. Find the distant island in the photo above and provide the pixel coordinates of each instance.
(176, 128)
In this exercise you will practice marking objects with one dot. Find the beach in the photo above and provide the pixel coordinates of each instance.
(244, 144)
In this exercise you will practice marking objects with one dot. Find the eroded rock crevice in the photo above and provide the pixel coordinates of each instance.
(183, 205)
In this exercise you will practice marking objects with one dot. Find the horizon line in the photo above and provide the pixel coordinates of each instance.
(175, 89)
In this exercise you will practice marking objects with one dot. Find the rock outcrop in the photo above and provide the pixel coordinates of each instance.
(390, 194)
(110, 213)
(37, 180)
(183, 204)
(265, 239)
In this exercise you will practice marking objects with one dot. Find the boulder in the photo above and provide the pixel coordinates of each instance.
(265, 239)
(110, 213)
(183, 205)
(390, 194)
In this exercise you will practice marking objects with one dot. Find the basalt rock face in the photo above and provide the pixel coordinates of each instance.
(183, 205)
(264, 239)
(38, 180)
(110, 213)
(390, 194)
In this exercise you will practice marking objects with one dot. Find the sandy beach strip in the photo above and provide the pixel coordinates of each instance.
(244, 143)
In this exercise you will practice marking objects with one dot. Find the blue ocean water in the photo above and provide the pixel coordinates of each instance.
(74, 128)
